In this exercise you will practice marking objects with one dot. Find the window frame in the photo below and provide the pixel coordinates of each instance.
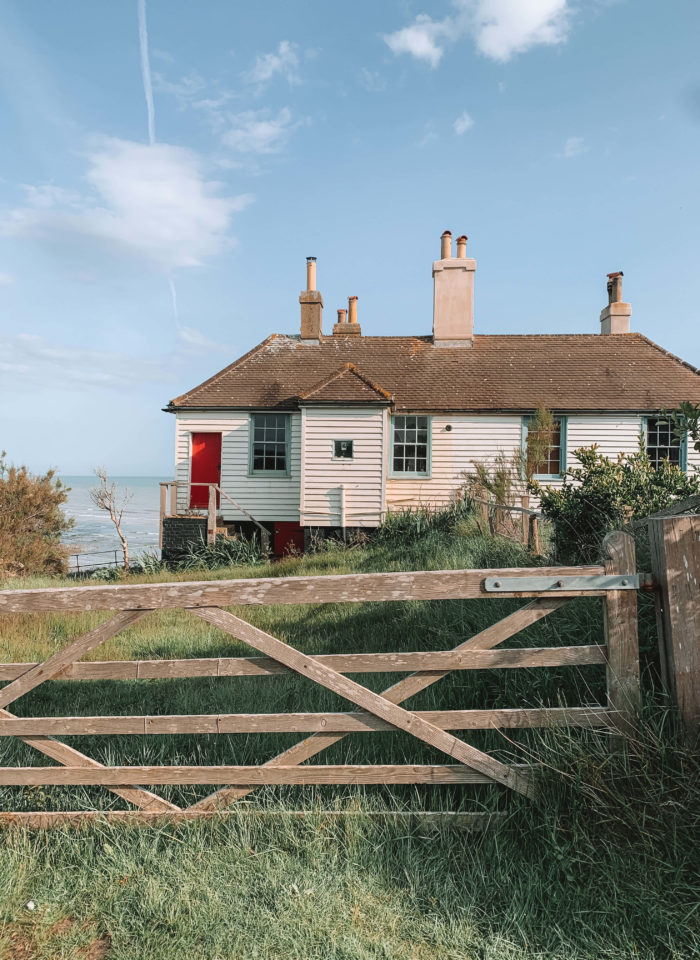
(252, 472)
(349, 440)
(682, 447)
(563, 436)
(411, 475)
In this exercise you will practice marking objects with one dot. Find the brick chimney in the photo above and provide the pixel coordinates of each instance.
(311, 306)
(615, 318)
(453, 295)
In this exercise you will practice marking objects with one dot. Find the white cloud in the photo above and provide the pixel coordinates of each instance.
(5, 278)
(258, 131)
(463, 123)
(151, 201)
(285, 63)
(500, 29)
(28, 358)
(573, 147)
(419, 39)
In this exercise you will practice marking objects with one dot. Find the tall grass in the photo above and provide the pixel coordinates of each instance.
(603, 865)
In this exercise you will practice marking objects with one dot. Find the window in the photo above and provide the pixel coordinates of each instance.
(553, 463)
(663, 444)
(410, 448)
(342, 449)
(269, 443)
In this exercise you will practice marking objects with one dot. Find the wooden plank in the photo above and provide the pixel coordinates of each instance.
(367, 699)
(620, 625)
(331, 774)
(408, 687)
(341, 588)
(59, 661)
(454, 819)
(163, 509)
(62, 753)
(342, 663)
(675, 552)
(211, 515)
(356, 722)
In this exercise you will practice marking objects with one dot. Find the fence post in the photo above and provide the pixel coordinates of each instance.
(163, 505)
(621, 638)
(211, 514)
(173, 499)
(525, 520)
(675, 563)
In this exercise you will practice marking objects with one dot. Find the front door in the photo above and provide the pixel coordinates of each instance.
(206, 467)
(288, 538)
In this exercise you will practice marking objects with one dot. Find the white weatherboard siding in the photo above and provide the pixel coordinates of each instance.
(471, 438)
(613, 433)
(264, 497)
(359, 502)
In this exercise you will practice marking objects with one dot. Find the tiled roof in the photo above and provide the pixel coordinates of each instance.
(564, 372)
(347, 385)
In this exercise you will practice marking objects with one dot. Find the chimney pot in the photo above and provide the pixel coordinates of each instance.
(311, 273)
(446, 245)
(462, 247)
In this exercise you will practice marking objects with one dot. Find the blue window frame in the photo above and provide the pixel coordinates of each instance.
(553, 466)
(269, 444)
(662, 444)
(410, 446)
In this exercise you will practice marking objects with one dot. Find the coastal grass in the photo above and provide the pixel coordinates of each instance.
(603, 865)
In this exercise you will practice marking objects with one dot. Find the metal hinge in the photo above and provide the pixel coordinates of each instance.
(628, 581)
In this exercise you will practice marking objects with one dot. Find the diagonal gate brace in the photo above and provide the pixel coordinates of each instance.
(367, 699)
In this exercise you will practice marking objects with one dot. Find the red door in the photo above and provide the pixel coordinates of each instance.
(288, 538)
(206, 467)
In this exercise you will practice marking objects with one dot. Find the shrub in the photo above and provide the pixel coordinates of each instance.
(32, 522)
(604, 494)
(224, 552)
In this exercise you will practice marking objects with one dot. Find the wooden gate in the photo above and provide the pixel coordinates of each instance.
(546, 588)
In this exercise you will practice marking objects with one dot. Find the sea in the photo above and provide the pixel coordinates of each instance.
(93, 535)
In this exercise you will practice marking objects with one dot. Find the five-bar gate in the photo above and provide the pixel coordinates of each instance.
(546, 589)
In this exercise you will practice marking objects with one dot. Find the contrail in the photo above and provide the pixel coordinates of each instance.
(173, 294)
(146, 71)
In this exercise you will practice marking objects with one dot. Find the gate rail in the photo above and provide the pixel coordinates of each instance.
(205, 600)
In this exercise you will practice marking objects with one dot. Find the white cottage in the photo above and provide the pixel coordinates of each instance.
(312, 430)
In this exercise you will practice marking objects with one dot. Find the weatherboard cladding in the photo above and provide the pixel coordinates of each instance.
(565, 372)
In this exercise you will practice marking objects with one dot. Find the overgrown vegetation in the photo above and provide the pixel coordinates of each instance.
(32, 522)
(223, 552)
(604, 494)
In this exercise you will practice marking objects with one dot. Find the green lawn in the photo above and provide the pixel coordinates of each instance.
(601, 866)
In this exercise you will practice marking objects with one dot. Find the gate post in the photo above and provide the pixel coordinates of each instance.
(211, 515)
(621, 637)
(675, 563)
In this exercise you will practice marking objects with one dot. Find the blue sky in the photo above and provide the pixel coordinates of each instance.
(142, 250)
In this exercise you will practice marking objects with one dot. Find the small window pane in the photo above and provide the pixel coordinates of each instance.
(343, 449)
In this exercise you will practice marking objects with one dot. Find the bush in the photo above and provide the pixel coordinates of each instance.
(32, 522)
(224, 552)
(604, 494)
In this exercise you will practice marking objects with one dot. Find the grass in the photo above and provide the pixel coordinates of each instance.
(601, 867)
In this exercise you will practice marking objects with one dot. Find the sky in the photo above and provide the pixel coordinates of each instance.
(167, 165)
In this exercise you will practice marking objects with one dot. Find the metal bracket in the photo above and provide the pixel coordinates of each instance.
(629, 581)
